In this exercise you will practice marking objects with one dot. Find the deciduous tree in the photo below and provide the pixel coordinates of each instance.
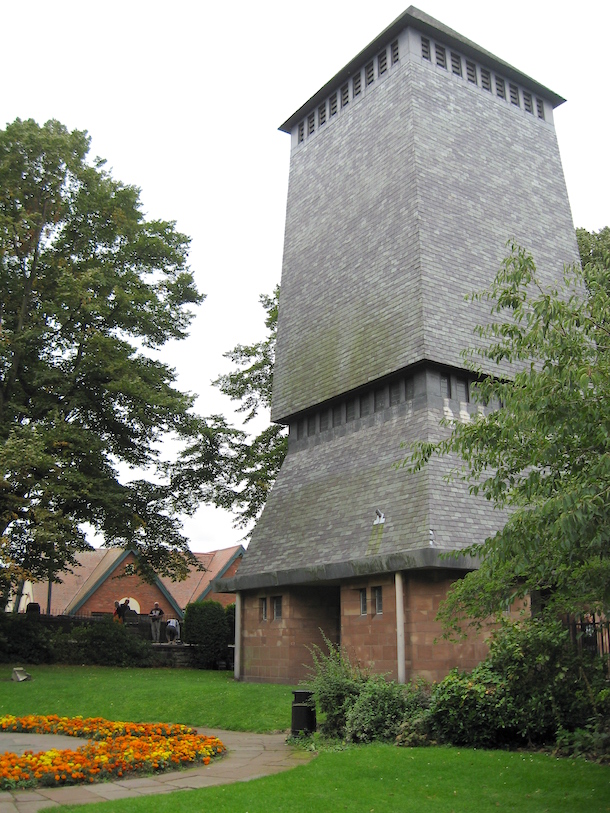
(244, 466)
(88, 288)
(545, 453)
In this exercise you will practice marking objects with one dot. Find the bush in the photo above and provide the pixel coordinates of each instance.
(553, 686)
(206, 628)
(230, 614)
(336, 685)
(415, 731)
(473, 709)
(532, 685)
(107, 643)
(24, 638)
(377, 712)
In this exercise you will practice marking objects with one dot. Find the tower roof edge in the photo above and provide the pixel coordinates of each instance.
(415, 18)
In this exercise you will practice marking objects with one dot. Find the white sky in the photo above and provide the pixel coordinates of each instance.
(184, 100)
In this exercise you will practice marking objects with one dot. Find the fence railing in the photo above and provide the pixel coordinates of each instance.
(590, 634)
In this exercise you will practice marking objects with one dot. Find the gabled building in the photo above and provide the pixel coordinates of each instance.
(104, 575)
(409, 172)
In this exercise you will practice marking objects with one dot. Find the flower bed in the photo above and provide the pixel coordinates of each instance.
(117, 749)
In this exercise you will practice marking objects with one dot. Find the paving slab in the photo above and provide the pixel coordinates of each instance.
(249, 756)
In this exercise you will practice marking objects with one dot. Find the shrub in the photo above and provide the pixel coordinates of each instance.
(377, 712)
(473, 709)
(336, 684)
(533, 684)
(107, 643)
(25, 638)
(415, 731)
(230, 614)
(553, 686)
(206, 628)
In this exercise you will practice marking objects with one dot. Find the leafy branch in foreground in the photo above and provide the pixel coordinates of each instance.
(545, 453)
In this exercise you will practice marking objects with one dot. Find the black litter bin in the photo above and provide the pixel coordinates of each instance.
(303, 712)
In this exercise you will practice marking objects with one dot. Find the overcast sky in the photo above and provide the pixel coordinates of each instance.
(184, 101)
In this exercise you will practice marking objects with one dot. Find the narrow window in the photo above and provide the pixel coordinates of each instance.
(369, 74)
(380, 399)
(377, 600)
(363, 601)
(394, 393)
(277, 608)
(324, 420)
(456, 64)
(322, 114)
(311, 425)
(350, 410)
(527, 102)
(441, 56)
(425, 49)
(445, 386)
(333, 104)
(409, 389)
(471, 72)
(514, 94)
(394, 49)
(337, 415)
(344, 95)
(311, 123)
(382, 62)
(357, 84)
(500, 87)
(540, 108)
(263, 609)
(485, 79)
(300, 429)
(301, 131)
(365, 405)
(462, 390)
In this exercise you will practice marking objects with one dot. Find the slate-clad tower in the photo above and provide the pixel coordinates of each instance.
(409, 172)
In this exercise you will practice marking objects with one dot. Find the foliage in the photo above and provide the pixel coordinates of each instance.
(591, 742)
(29, 639)
(251, 384)
(377, 712)
(545, 455)
(244, 468)
(230, 614)
(110, 644)
(23, 639)
(473, 709)
(118, 749)
(336, 685)
(533, 684)
(206, 628)
(87, 284)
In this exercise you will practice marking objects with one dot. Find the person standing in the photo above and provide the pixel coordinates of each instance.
(156, 614)
(116, 615)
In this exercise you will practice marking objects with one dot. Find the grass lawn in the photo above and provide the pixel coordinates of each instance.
(377, 778)
(189, 696)
(386, 779)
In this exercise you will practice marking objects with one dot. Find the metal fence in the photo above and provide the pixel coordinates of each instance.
(590, 633)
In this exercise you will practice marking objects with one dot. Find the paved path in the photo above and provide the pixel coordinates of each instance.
(249, 756)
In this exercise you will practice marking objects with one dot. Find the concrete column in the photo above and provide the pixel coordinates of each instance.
(400, 628)
(237, 654)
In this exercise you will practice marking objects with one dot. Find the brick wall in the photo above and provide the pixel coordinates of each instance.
(117, 585)
(423, 592)
(370, 639)
(276, 651)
